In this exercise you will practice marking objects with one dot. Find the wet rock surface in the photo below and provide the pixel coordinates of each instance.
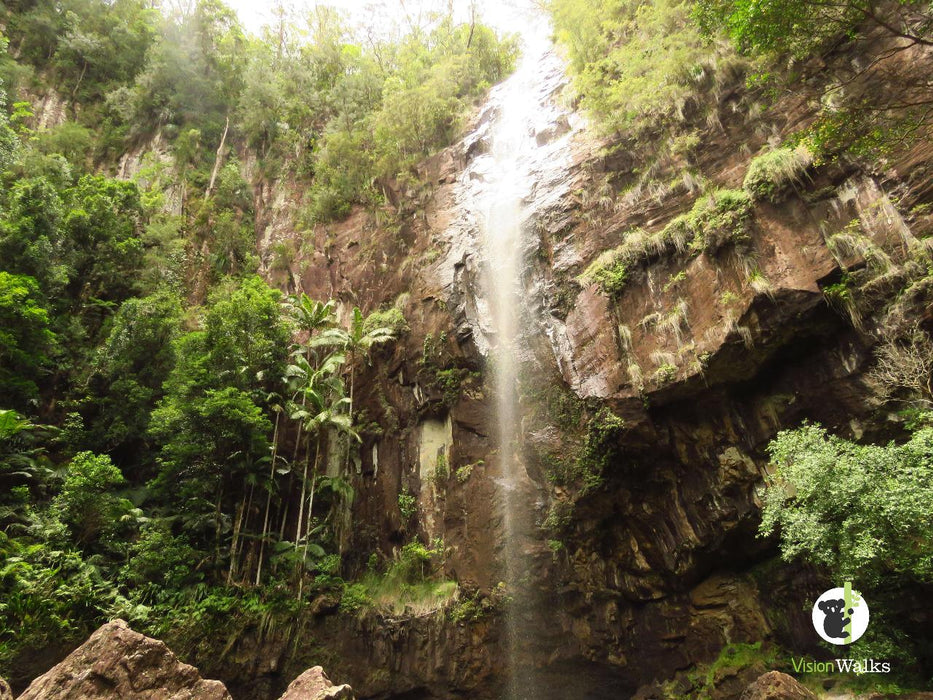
(116, 663)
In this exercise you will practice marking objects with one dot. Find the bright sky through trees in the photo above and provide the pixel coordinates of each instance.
(504, 15)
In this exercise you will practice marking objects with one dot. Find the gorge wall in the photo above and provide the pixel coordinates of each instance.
(653, 564)
(647, 405)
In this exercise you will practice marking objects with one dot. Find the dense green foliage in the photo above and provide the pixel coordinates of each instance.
(653, 66)
(860, 513)
(165, 415)
(638, 64)
(860, 510)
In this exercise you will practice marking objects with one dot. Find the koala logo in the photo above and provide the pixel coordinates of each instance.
(835, 622)
(840, 615)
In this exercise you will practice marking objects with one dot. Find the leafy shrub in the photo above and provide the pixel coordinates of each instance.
(407, 504)
(441, 470)
(391, 318)
(771, 174)
(87, 504)
(161, 562)
(665, 373)
(464, 472)
(882, 528)
(326, 204)
(450, 382)
(354, 598)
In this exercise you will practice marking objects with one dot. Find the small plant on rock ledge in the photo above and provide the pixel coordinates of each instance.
(464, 472)
(760, 284)
(665, 373)
(441, 471)
(771, 174)
(407, 504)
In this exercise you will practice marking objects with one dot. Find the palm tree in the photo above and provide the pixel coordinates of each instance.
(357, 341)
(322, 409)
(311, 316)
(316, 318)
(360, 341)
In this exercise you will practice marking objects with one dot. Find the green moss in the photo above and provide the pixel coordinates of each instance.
(559, 517)
(611, 270)
(771, 174)
(716, 220)
(601, 445)
(608, 271)
(451, 382)
(554, 402)
(391, 318)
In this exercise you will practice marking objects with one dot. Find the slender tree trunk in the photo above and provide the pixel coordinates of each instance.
(288, 489)
(472, 24)
(265, 520)
(80, 78)
(304, 557)
(304, 487)
(218, 158)
(346, 463)
(244, 527)
(220, 495)
(236, 534)
(301, 509)
(351, 389)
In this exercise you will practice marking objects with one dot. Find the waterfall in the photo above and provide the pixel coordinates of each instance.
(523, 139)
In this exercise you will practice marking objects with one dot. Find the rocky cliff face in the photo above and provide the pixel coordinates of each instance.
(704, 354)
(645, 555)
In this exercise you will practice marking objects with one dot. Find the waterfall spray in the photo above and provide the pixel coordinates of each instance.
(525, 155)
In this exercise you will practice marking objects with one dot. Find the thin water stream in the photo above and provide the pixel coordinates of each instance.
(522, 171)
